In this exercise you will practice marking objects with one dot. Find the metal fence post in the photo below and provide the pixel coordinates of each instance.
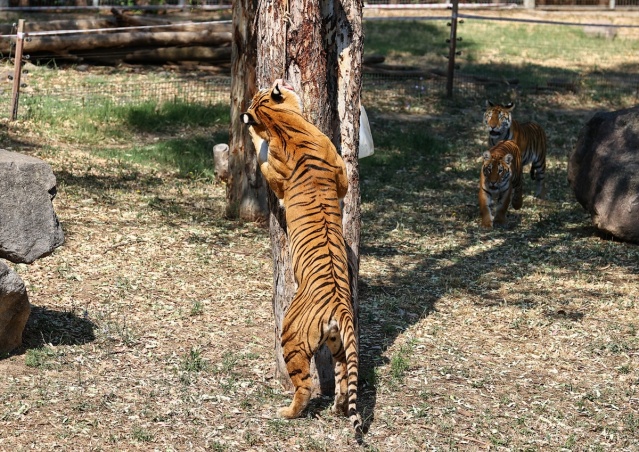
(612, 4)
(451, 49)
(529, 4)
(17, 71)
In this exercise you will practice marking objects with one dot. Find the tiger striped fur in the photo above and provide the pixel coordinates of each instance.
(499, 181)
(303, 168)
(529, 136)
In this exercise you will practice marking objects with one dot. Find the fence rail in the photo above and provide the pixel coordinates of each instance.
(402, 90)
(69, 5)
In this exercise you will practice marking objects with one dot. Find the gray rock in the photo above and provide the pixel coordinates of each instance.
(14, 309)
(603, 172)
(29, 227)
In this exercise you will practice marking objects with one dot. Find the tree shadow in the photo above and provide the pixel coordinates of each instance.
(414, 279)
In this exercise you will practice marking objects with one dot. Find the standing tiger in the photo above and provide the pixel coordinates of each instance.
(304, 170)
(499, 181)
(529, 136)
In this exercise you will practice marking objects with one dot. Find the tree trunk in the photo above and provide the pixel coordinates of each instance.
(246, 190)
(316, 46)
(349, 44)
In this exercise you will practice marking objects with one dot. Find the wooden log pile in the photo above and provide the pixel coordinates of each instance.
(102, 41)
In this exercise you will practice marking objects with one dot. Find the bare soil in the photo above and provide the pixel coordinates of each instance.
(152, 329)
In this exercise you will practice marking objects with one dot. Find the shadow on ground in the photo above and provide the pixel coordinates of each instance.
(404, 188)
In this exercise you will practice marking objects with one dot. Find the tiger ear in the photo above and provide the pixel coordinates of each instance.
(509, 106)
(489, 104)
(486, 155)
(276, 92)
(247, 119)
(508, 158)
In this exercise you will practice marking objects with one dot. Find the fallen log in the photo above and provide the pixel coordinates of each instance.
(155, 56)
(87, 41)
(127, 20)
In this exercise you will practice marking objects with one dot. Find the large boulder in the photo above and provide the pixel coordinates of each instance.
(14, 309)
(603, 172)
(29, 227)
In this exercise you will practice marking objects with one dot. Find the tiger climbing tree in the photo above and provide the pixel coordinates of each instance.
(317, 47)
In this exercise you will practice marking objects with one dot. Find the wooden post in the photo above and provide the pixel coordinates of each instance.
(452, 49)
(17, 71)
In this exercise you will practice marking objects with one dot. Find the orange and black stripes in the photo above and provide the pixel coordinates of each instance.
(499, 182)
(305, 171)
(529, 136)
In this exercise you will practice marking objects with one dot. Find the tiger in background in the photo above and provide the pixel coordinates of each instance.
(529, 136)
(499, 182)
(304, 170)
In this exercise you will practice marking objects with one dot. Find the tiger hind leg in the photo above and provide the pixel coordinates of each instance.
(540, 191)
(538, 174)
(299, 370)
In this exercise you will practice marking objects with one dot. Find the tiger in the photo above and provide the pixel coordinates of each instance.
(529, 136)
(305, 171)
(499, 181)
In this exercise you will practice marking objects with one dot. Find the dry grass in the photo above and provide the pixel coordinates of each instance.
(152, 328)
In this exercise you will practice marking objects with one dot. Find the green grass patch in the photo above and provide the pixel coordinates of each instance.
(153, 117)
(39, 357)
(405, 39)
(172, 135)
(527, 52)
(93, 121)
(191, 157)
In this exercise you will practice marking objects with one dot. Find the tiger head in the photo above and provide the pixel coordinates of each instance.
(267, 103)
(496, 171)
(498, 120)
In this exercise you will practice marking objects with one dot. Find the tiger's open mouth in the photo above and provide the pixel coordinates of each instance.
(495, 132)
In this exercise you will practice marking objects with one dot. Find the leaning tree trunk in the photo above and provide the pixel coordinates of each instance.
(246, 189)
(316, 46)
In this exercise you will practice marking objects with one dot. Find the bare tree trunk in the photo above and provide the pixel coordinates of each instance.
(317, 47)
(246, 190)
(349, 44)
(271, 61)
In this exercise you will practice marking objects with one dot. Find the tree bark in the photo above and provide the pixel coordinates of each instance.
(271, 63)
(246, 189)
(317, 47)
(349, 44)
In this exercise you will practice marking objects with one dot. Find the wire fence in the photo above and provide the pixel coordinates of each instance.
(399, 89)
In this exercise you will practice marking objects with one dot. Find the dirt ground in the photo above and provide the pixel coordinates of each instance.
(152, 327)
